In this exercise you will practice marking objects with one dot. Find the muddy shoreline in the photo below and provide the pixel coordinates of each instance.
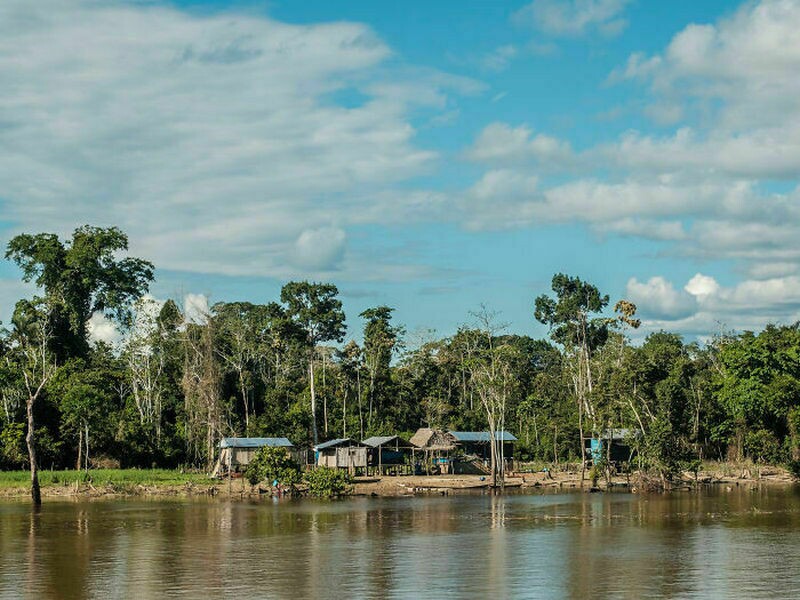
(392, 486)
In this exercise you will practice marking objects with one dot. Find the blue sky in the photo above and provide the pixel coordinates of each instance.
(429, 156)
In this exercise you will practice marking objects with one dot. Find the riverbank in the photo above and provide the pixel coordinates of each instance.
(712, 473)
(164, 482)
(108, 482)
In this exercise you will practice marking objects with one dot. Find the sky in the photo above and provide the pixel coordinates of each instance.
(430, 156)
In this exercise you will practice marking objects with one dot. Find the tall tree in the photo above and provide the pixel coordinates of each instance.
(32, 342)
(80, 277)
(381, 338)
(572, 325)
(315, 308)
(242, 330)
(490, 363)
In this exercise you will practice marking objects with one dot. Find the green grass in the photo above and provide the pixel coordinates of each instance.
(125, 477)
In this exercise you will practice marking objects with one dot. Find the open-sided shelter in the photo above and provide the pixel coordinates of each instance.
(388, 453)
(478, 443)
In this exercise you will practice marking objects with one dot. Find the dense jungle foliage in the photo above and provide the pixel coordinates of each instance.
(171, 387)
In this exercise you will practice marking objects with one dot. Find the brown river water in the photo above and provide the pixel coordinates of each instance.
(717, 543)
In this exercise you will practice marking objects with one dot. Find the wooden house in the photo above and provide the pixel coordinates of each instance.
(342, 453)
(236, 453)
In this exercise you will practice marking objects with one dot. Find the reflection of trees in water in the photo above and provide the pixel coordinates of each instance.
(567, 545)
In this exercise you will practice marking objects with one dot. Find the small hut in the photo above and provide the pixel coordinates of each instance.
(238, 452)
(341, 453)
(389, 453)
(611, 445)
(435, 447)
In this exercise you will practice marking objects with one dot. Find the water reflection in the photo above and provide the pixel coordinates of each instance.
(737, 543)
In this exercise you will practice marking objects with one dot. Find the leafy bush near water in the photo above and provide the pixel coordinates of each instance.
(273, 464)
(324, 482)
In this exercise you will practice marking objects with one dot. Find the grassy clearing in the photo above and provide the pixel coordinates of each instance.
(119, 477)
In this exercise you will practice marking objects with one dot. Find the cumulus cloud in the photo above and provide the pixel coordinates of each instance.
(103, 329)
(573, 17)
(703, 190)
(502, 142)
(658, 298)
(702, 286)
(213, 140)
(195, 308)
(319, 249)
(704, 306)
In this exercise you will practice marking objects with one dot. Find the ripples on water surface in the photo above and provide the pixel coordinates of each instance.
(714, 544)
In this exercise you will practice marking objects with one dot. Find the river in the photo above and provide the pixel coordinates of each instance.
(719, 543)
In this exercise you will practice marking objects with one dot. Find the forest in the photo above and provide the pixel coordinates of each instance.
(171, 387)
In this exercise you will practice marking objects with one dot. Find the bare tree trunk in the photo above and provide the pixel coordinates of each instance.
(86, 439)
(36, 493)
(344, 413)
(324, 397)
(314, 433)
(582, 450)
(360, 408)
(245, 402)
(80, 449)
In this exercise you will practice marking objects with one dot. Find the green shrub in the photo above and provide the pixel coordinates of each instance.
(273, 464)
(324, 482)
(762, 446)
(12, 445)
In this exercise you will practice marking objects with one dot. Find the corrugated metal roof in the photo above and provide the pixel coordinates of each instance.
(330, 443)
(232, 442)
(482, 436)
(618, 434)
(379, 440)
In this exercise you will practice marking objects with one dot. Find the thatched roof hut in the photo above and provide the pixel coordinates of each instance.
(433, 440)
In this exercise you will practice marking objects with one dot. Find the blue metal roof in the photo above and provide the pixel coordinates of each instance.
(482, 436)
(232, 442)
(331, 443)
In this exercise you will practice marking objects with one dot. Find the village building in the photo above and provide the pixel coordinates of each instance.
(478, 443)
(342, 453)
(389, 454)
(433, 450)
(612, 446)
(236, 453)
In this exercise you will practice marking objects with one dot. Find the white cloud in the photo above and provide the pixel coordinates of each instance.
(502, 142)
(657, 298)
(499, 58)
(319, 249)
(704, 189)
(702, 286)
(706, 307)
(573, 17)
(195, 308)
(646, 228)
(213, 140)
(103, 329)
